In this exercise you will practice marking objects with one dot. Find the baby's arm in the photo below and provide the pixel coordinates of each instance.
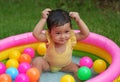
(84, 31)
(37, 32)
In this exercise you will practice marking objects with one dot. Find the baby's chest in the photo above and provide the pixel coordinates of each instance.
(60, 50)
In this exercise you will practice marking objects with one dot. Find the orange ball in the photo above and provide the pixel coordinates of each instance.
(33, 74)
(5, 78)
(25, 58)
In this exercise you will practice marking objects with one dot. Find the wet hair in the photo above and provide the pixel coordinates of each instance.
(58, 17)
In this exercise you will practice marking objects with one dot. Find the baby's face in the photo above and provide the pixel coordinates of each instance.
(60, 34)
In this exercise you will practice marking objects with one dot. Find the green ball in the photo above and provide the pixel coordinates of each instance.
(84, 73)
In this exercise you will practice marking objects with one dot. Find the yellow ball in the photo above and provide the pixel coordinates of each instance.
(14, 54)
(99, 65)
(12, 63)
(41, 49)
(67, 78)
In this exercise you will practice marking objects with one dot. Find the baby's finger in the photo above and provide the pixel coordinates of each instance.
(70, 13)
(47, 9)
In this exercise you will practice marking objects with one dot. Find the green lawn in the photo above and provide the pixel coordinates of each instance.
(20, 16)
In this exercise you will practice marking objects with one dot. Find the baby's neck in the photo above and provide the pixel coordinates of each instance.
(60, 48)
(59, 45)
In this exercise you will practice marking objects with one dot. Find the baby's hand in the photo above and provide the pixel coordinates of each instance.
(45, 13)
(74, 15)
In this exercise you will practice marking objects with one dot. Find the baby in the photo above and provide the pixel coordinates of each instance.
(60, 39)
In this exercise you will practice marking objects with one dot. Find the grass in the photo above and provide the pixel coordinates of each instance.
(20, 16)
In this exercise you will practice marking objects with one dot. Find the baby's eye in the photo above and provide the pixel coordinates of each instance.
(66, 31)
(57, 33)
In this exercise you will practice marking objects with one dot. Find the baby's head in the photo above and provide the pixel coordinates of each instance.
(57, 18)
(59, 26)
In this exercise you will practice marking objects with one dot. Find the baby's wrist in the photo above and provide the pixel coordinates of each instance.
(43, 19)
(78, 19)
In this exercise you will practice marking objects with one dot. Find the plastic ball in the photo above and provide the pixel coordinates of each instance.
(84, 73)
(22, 78)
(99, 65)
(86, 61)
(5, 78)
(33, 74)
(13, 72)
(2, 68)
(23, 67)
(12, 63)
(25, 58)
(41, 49)
(29, 51)
(14, 54)
(67, 78)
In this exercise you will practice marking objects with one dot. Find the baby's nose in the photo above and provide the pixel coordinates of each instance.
(62, 35)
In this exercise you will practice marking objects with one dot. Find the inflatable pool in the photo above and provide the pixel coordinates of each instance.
(96, 44)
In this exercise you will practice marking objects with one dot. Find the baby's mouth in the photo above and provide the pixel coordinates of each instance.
(63, 40)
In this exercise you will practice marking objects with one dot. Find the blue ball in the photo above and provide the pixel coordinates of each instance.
(13, 72)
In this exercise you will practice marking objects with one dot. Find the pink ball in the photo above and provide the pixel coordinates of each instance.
(29, 51)
(86, 61)
(22, 78)
(23, 67)
(2, 68)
